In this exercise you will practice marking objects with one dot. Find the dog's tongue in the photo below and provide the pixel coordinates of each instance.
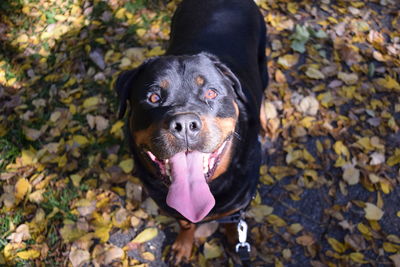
(189, 193)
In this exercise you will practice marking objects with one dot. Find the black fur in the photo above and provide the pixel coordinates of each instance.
(224, 41)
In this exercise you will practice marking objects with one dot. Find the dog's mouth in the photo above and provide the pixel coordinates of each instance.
(210, 162)
(188, 174)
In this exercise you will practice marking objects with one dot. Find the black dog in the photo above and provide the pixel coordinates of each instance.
(194, 113)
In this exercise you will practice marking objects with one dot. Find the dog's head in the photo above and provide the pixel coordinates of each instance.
(183, 115)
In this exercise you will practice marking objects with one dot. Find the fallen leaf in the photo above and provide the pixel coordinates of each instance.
(314, 73)
(112, 254)
(288, 61)
(348, 78)
(372, 212)
(146, 235)
(30, 254)
(211, 250)
(205, 230)
(78, 257)
(22, 187)
(127, 165)
(351, 175)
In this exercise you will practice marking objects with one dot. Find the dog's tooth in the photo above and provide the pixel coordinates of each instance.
(221, 148)
(151, 155)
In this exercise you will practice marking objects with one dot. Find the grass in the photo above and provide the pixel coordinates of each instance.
(8, 152)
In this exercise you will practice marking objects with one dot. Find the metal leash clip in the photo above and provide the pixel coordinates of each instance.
(242, 232)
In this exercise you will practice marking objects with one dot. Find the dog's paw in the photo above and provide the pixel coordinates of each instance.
(181, 249)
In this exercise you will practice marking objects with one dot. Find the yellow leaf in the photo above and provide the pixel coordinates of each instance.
(386, 186)
(278, 172)
(22, 187)
(365, 143)
(212, 251)
(10, 249)
(336, 245)
(279, 76)
(23, 38)
(305, 240)
(311, 173)
(91, 101)
(320, 148)
(103, 232)
(148, 256)
(120, 14)
(117, 127)
(326, 99)
(140, 32)
(76, 179)
(288, 61)
(357, 257)
(146, 235)
(278, 263)
(276, 220)
(348, 78)
(351, 175)
(28, 254)
(394, 159)
(125, 63)
(80, 139)
(372, 212)
(37, 196)
(374, 178)
(391, 248)
(341, 149)
(60, 18)
(69, 232)
(156, 51)
(3, 130)
(388, 83)
(307, 122)
(307, 156)
(313, 73)
(292, 7)
(258, 212)
(295, 228)
(127, 165)
(31, 134)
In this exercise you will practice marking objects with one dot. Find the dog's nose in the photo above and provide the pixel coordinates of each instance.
(185, 126)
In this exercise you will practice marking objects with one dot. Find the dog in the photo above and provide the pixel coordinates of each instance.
(194, 115)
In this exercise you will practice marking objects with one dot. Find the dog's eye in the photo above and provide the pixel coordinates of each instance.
(211, 94)
(154, 98)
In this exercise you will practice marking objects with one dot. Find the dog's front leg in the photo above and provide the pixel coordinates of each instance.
(182, 247)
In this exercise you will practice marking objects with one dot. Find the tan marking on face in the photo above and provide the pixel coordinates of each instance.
(164, 84)
(226, 126)
(142, 137)
(199, 80)
(224, 161)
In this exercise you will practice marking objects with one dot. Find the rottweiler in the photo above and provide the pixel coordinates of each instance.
(194, 113)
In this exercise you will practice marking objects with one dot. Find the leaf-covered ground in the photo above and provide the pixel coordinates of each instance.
(329, 192)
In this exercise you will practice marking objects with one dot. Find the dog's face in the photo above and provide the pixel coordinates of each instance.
(183, 117)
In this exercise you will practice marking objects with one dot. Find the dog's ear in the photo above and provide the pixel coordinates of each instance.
(124, 84)
(227, 73)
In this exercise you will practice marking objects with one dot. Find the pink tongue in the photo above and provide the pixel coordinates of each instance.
(189, 193)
